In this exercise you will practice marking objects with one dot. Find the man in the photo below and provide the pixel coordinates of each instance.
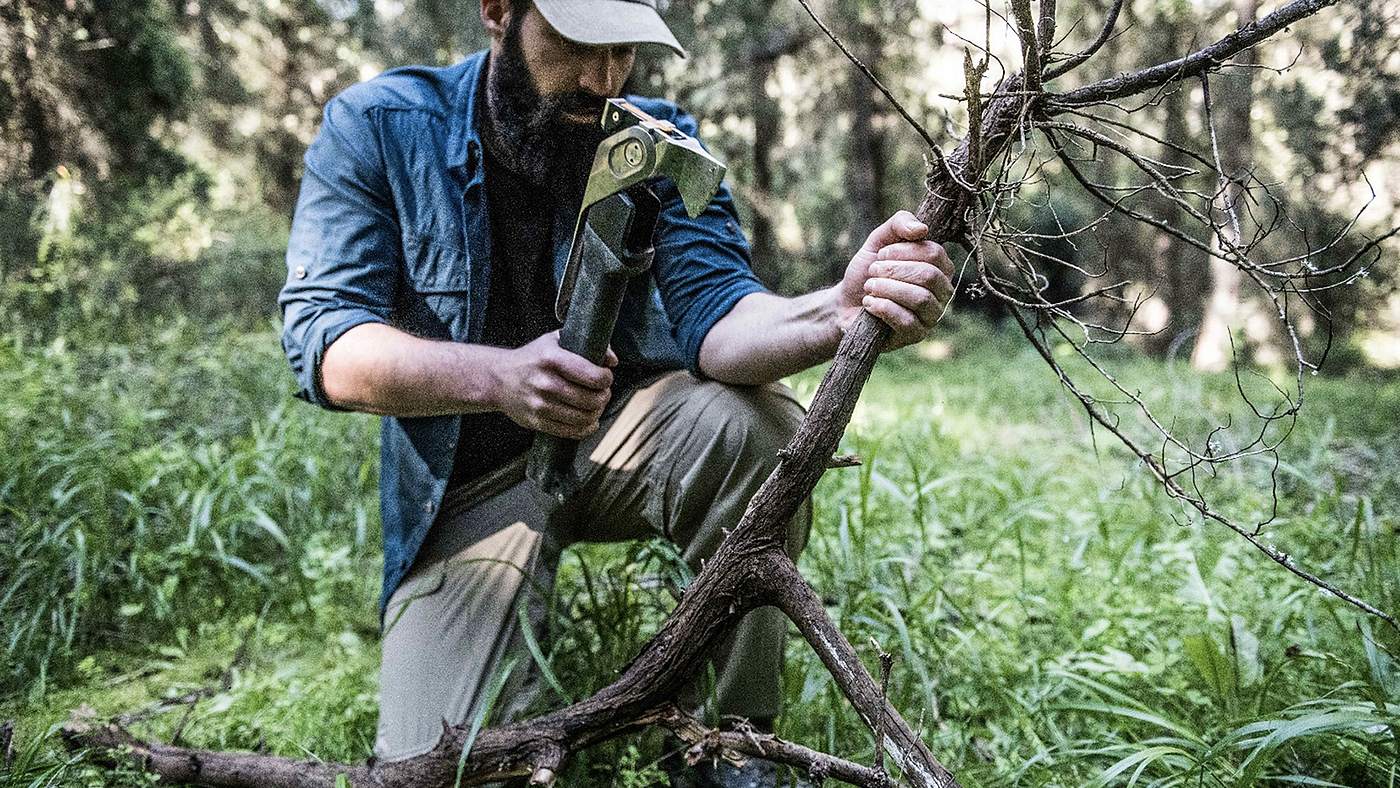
(435, 214)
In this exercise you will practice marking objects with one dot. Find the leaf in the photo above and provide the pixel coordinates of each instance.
(1138, 714)
(1286, 731)
(1211, 663)
(1246, 648)
(222, 703)
(488, 702)
(1142, 759)
(266, 523)
(538, 654)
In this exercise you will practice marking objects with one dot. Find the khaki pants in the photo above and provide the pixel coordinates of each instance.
(681, 458)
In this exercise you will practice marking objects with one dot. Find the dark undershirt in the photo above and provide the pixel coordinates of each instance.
(519, 307)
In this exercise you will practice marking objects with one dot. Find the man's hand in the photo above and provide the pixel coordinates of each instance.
(900, 277)
(544, 387)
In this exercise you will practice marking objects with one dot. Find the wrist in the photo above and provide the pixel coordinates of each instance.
(836, 315)
(481, 383)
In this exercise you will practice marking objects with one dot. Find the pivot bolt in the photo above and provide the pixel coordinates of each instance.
(627, 157)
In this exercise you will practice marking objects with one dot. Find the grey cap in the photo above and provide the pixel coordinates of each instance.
(601, 22)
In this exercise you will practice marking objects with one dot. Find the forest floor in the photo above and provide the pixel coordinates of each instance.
(197, 554)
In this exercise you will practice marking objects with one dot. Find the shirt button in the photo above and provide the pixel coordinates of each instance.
(429, 506)
(300, 272)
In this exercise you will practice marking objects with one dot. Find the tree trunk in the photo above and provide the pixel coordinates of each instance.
(1233, 141)
(767, 129)
(1180, 270)
(864, 164)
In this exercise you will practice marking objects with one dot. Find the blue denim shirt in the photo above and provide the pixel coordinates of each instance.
(391, 227)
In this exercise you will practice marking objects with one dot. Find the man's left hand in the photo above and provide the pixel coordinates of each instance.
(900, 277)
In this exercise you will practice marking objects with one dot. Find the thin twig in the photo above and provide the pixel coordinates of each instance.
(1207, 59)
(1104, 34)
(869, 75)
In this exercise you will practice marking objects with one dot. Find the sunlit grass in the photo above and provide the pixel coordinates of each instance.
(181, 528)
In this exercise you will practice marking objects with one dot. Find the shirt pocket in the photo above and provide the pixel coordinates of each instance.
(435, 301)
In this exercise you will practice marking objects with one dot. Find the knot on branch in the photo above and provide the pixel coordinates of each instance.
(548, 759)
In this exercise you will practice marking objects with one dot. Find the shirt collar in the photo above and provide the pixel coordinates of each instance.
(464, 142)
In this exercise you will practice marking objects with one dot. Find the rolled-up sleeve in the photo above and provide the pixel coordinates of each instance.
(702, 265)
(344, 253)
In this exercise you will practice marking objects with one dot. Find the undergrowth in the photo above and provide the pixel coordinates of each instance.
(192, 550)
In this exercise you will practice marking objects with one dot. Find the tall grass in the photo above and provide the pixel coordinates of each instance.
(145, 490)
(1057, 621)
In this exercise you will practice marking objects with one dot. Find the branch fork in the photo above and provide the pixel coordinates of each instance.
(751, 568)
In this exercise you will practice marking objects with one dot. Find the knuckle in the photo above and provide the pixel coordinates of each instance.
(548, 384)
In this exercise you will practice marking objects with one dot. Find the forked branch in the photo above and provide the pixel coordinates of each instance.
(751, 568)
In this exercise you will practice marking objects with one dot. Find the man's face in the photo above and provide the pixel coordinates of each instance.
(571, 71)
(546, 95)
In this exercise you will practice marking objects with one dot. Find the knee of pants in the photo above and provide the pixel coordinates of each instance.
(749, 424)
(734, 434)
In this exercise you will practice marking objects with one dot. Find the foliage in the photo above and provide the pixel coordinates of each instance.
(149, 488)
(1054, 622)
(105, 261)
(184, 121)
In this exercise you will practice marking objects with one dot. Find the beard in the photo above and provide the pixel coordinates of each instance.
(529, 132)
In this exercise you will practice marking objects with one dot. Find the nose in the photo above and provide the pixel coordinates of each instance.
(606, 68)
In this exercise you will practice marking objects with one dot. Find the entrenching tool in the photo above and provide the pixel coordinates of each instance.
(612, 243)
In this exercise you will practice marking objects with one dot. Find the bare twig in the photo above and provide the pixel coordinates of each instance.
(1194, 64)
(1104, 34)
(870, 75)
(1030, 47)
(1176, 491)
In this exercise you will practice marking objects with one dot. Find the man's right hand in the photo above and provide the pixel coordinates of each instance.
(543, 387)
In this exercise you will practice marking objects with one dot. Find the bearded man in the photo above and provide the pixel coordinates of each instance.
(435, 217)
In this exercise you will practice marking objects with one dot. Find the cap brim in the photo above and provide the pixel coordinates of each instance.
(603, 22)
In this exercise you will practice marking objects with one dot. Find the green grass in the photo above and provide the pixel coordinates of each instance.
(181, 528)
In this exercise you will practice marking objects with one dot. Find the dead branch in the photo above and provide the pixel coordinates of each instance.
(711, 744)
(1192, 65)
(751, 568)
(1105, 33)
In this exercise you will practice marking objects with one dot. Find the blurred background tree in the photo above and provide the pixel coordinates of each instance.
(154, 145)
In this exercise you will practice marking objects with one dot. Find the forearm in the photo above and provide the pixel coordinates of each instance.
(767, 337)
(379, 369)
